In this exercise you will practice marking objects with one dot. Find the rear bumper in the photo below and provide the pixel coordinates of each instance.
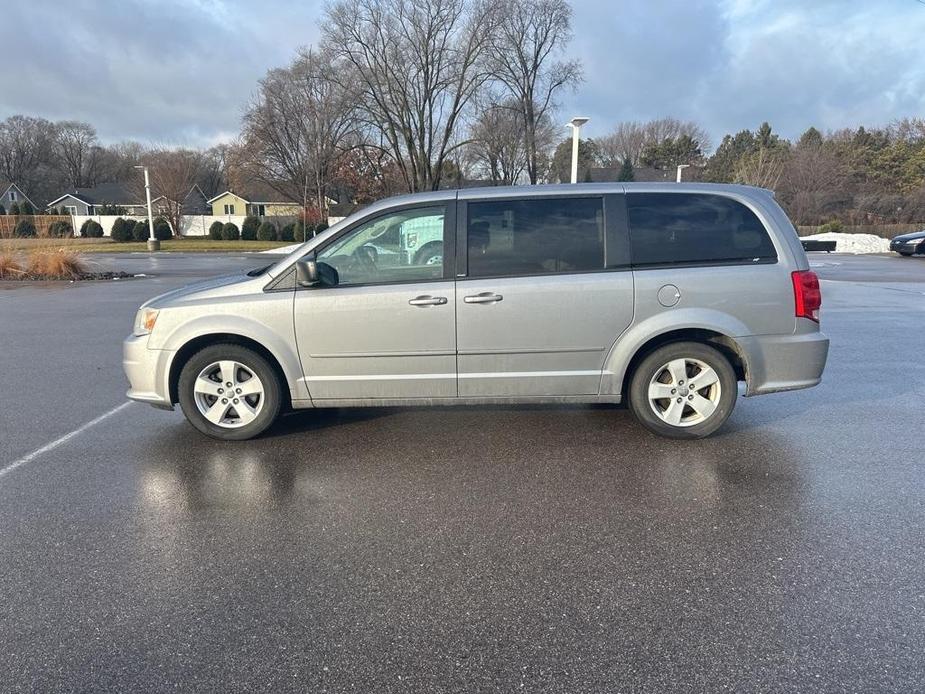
(784, 362)
(146, 372)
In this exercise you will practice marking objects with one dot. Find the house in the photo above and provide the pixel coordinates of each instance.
(194, 203)
(88, 201)
(11, 194)
(258, 201)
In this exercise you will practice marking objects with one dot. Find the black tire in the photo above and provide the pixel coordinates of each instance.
(652, 365)
(271, 396)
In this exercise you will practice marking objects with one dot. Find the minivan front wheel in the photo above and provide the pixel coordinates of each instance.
(683, 390)
(229, 392)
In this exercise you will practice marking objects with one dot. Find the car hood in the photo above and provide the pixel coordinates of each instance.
(204, 289)
(913, 236)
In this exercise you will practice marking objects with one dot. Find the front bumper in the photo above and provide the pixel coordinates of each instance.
(908, 247)
(146, 370)
(784, 362)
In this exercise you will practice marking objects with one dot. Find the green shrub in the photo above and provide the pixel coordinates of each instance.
(122, 230)
(266, 232)
(25, 228)
(14, 208)
(287, 233)
(215, 231)
(91, 229)
(321, 227)
(2, 210)
(60, 229)
(26, 208)
(249, 228)
(162, 231)
(230, 232)
(834, 226)
(140, 230)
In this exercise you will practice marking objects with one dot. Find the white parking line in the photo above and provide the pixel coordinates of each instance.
(64, 439)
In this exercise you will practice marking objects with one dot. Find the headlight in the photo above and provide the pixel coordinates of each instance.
(144, 321)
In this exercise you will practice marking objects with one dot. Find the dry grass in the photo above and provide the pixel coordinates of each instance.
(107, 245)
(55, 264)
(10, 267)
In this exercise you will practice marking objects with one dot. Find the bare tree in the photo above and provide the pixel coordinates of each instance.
(297, 128)
(77, 152)
(213, 176)
(625, 143)
(173, 173)
(117, 161)
(26, 154)
(497, 144)
(528, 36)
(418, 64)
(630, 139)
(762, 168)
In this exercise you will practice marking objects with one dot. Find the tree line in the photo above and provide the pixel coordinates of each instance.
(412, 95)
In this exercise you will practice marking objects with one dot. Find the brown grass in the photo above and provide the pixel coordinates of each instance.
(10, 267)
(55, 264)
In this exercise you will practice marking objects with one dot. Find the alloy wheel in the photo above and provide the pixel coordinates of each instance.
(229, 394)
(684, 392)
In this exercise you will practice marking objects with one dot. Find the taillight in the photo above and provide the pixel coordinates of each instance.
(807, 296)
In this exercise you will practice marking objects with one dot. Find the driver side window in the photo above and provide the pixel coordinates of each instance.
(405, 246)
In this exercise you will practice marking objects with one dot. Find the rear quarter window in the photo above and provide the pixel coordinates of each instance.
(695, 229)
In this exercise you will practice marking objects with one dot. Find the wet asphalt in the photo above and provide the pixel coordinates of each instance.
(489, 549)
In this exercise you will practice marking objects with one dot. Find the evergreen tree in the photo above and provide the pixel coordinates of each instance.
(626, 171)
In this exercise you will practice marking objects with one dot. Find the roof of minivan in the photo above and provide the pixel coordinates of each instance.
(559, 189)
(602, 188)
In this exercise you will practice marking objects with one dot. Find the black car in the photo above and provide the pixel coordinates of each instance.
(909, 244)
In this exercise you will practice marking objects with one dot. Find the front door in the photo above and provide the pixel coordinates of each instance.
(387, 330)
(538, 309)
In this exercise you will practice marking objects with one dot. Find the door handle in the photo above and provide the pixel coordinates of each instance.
(426, 300)
(483, 298)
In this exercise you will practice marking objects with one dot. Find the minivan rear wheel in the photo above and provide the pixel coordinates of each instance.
(683, 390)
(229, 392)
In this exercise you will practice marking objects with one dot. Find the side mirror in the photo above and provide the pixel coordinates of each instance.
(306, 273)
(310, 273)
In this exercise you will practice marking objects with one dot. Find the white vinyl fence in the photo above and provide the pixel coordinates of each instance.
(192, 225)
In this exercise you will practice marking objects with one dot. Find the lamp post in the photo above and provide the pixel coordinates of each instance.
(681, 168)
(575, 124)
(153, 243)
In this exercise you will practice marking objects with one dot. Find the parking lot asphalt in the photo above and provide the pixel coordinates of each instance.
(482, 549)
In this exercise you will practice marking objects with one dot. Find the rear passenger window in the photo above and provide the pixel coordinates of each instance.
(692, 228)
(533, 237)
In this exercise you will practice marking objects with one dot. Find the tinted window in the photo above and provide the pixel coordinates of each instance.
(669, 228)
(402, 246)
(530, 237)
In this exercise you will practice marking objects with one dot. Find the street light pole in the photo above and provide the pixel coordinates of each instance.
(681, 168)
(575, 124)
(153, 243)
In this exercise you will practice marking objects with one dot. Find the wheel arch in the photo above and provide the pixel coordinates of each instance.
(194, 345)
(626, 355)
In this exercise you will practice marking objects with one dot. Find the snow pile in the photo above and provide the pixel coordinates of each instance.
(285, 250)
(853, 243)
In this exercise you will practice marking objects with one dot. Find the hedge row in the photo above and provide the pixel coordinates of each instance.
(124, 230)
(252, 230)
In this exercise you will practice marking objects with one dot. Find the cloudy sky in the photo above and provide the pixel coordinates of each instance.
(180, 71)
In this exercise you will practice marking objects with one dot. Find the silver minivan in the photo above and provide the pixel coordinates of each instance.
(663, 296)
